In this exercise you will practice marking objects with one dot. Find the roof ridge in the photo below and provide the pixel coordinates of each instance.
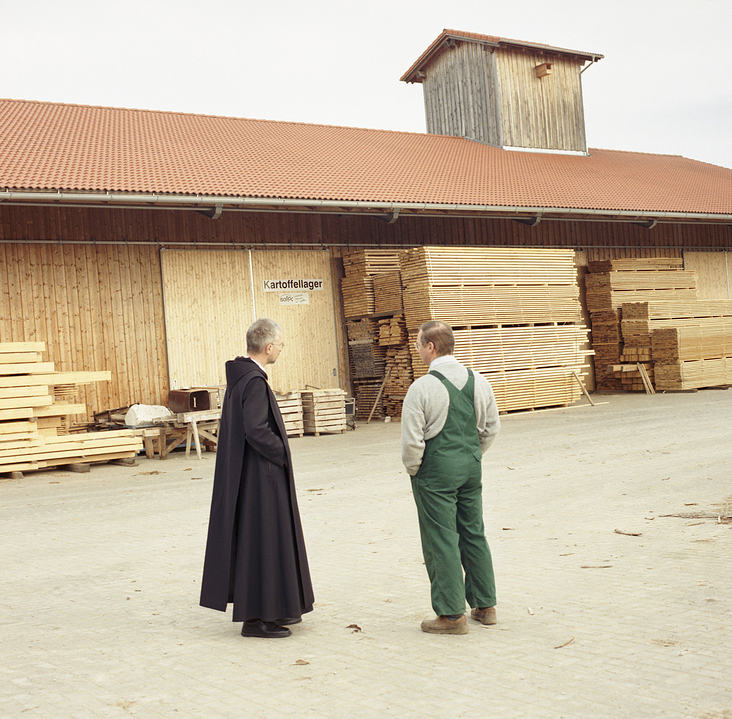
(207, 116)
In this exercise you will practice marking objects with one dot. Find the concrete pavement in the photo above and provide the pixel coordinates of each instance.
(99, 612)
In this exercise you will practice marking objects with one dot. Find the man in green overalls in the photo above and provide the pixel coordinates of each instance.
(449, 419)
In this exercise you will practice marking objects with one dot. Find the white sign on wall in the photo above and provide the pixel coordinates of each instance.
(292, 285)
(294, 298)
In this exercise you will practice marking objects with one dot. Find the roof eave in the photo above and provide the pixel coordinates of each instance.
(364, 207)
(416, 71)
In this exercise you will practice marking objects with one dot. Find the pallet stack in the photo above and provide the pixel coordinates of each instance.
(34, 425)
(290, 405)
(612, 283)
(323, 411)
(516, 315)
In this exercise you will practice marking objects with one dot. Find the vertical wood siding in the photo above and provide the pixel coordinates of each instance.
(210, 302)
(542, 112)
(96, 308)
(714, 273)
(459, 95)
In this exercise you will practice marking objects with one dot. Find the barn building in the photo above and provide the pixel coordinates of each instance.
(145, 242)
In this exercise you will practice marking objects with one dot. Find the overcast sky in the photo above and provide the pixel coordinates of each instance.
(664, 86)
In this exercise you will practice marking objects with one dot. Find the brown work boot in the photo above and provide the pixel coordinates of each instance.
(443, 625)
(487, 615)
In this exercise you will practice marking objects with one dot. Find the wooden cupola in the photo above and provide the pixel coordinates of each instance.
(501, 92)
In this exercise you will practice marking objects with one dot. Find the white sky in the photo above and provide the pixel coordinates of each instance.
(665, 85)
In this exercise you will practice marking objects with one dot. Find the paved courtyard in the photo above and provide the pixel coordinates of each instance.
(607, 608)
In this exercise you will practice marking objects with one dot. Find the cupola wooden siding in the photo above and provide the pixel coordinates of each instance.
(495, 95)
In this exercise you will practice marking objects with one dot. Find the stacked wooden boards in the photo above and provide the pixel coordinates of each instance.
(377, 335)
(323, 411)
(290, 405)
(34, 426)
(516, 315)
(690, 343)
(612, 283)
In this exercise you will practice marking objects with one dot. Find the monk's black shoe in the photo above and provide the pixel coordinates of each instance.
(288, 621)
(266, 630)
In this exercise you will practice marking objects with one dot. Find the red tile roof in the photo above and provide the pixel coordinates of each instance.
(58, 147)
(438, 47)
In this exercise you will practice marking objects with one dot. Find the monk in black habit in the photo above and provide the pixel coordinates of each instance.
(255, 553)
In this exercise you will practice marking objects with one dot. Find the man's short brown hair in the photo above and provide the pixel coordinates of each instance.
(440, 335)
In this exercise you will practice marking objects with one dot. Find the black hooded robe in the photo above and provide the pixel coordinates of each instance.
(255, 552)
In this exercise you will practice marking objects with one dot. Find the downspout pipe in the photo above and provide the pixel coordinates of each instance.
(141, 200)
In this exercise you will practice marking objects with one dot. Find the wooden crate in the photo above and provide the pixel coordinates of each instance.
(290, 405)
(324, 411)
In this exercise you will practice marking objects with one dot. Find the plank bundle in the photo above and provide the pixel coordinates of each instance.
(399, 377)
(638, 280)
(323, 411)
(362, 329)
(368, 358)
(290, 405)
(694, 374)
(482, 286)
(393, 332)
(34, 426)
(357, 287)
(358, 295)
(521, 313)
(388, 293)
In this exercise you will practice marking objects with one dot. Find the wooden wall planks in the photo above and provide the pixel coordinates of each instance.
(97, 308)
(714, 272)
(210, 302)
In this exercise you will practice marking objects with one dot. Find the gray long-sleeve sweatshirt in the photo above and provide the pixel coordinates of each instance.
(425, 410)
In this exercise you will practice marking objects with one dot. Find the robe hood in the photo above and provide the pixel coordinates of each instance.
(241, 367)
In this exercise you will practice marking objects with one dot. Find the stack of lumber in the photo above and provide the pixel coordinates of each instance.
(612, 283)
(371, 262)
(694, 374)
(323, 411)
(290, 405)
(607, 342)
(393, 332)
(610, 289)
(489, 285)
(388, 293)
(363, 329)
(367, 392)
(372, 289)
(368, 358)
(358, 295)
(33, 423)
(521, 313)
(691, 342)
(707, 338)
(357, 286)
(399, 377)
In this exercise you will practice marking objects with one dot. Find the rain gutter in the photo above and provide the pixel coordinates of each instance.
(214, 202)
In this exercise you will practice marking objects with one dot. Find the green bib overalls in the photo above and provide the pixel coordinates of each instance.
(448, 493)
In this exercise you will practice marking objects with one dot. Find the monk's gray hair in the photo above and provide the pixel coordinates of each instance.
(262, 333)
